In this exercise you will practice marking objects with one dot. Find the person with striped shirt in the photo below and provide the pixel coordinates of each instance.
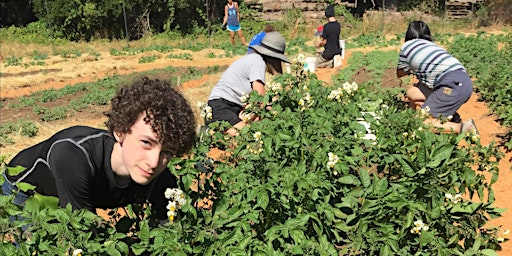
(444, 84)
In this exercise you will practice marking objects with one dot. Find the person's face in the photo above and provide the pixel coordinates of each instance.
(143, 156)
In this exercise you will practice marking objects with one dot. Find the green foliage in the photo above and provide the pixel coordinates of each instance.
(182, 56)
(488, 58)
(23, 126)
(148, 58)
(344, 170)
(13, 61)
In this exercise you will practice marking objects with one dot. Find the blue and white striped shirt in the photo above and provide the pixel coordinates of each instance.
(428, 61)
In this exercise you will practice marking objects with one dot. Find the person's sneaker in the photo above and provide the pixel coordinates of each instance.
(469, 127)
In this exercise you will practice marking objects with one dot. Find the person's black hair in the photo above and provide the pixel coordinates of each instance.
(418, 30)
(274, 65)
(329, 11)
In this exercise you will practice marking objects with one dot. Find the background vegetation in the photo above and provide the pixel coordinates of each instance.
(368, 197)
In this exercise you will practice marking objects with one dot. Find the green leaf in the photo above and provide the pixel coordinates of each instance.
(138, 249)
(348, 179)
(38, 202)
(468, 208)
(365, 178)
(426, 237)
(489, 252)
(23, 186)
(262, 199)
(408, 168)
(13, 171)
(297, 236)
(421, 155)
(385, 250)
(144, 233)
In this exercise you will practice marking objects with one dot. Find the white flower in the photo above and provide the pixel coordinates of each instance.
(347, 86)
(171, 206)
(205, 110)
(453, 198)
(274, 87)
(369, 134)
(257, 136)
(418, 227)
(333, 159)
(425, 112)
(246, 118)
(306, 101)
(77, 252)
(350, 88)
(354, 87)
(173, 194)
(506, 232)
(244, 98)
(335, 95)
(181, 201)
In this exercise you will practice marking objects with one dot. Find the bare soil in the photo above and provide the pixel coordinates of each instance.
(19, 81)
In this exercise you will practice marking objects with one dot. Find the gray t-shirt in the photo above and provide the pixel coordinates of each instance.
(236, 80)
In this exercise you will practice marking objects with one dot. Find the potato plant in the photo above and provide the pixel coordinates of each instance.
(329, 170)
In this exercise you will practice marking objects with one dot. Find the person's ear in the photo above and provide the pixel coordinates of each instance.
(119, 136)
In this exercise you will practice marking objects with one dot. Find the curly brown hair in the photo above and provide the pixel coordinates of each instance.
(168, 112)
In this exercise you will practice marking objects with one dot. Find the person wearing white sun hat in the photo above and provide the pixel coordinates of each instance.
(242, 77)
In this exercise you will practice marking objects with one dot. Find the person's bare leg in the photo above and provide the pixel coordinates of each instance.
(234, 131)
(448, 127)
(416, 97)
(232, 35)
(241, 37)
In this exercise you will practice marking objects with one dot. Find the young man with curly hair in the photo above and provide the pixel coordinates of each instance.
(148, 124)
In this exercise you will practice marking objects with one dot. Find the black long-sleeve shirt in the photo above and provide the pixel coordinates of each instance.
(74, 165)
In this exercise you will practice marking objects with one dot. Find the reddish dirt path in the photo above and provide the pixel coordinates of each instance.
(489, 129)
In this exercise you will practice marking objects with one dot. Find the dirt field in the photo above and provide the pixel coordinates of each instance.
(19, 81)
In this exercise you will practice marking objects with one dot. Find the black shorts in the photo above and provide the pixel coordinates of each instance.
(224, 110)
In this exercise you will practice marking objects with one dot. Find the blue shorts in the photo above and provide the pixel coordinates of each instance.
(233, 28)
(448, 95)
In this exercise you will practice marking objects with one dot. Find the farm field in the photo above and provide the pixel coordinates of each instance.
(19, 81)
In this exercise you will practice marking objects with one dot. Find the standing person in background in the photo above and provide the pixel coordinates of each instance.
(242, 77)
(232, 19)
(149, 123)
(256, 40)
(444, 84)
(330, 40)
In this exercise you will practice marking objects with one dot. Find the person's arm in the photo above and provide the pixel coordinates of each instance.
(225, 15)
(321, 43)
(72, 171)
(259, 87)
